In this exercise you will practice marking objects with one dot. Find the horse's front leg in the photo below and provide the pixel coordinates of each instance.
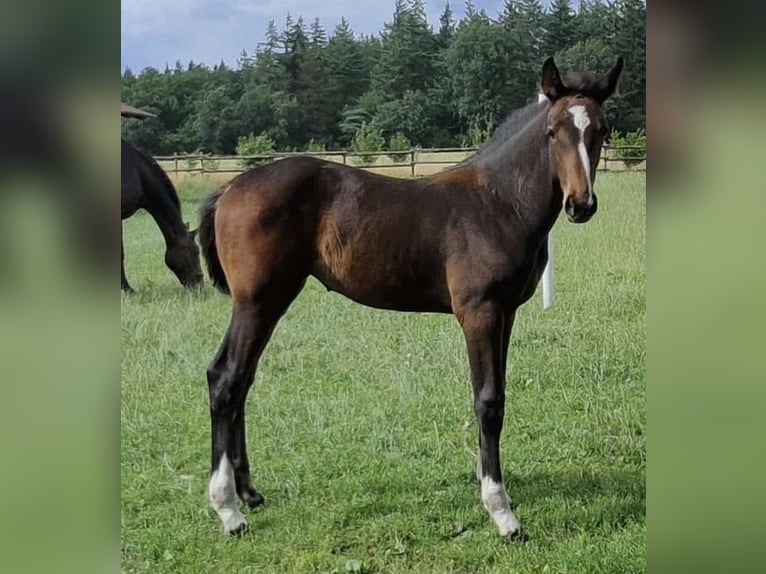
(487, 331)
(125, 286)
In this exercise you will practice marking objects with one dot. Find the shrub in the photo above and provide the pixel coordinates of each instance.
(399, 142)
(479, 132)
(254, 145)
(630, 148)
(201, 159)
(209, 164)
(192, 159)
(368, 137)
(315, 147)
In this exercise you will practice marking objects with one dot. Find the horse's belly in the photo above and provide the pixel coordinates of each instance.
(380, 290)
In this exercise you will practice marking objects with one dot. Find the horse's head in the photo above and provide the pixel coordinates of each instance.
(182, 257)
(576, 129)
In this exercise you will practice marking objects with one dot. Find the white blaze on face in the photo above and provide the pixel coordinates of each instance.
(581, 122)
(495, 500)
(222, 493)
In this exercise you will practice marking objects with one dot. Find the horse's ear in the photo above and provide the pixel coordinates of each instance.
(612, 76)
(550, 83)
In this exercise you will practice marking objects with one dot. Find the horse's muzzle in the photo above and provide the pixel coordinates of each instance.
(580, 212)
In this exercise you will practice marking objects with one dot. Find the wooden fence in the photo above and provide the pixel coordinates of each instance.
(416, 162)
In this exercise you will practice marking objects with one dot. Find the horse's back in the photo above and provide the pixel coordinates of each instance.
(314, 187)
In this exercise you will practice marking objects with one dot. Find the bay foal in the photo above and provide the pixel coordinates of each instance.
(468, 241)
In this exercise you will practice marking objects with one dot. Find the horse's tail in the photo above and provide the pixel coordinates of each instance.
(207, 240)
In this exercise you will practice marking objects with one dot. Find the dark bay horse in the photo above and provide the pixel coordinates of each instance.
(146, 185)
(468, 241)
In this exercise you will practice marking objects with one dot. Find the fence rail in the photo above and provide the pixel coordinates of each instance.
(403, 163)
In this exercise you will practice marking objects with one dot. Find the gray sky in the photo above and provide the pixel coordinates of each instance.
(159, 32)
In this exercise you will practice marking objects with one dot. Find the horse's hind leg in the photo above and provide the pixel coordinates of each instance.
(244, 484)
(230, 376)
(223, 376)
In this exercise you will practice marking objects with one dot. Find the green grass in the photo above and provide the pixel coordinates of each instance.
(361, 429)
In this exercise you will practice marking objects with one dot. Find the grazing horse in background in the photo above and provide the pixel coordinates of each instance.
(468, 241)
(146, 185)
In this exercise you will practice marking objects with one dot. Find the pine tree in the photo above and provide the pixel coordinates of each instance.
(626, 28)
(560, 28)
(477, 70)
(591, 20)
(317, 35)
(314, 92)
(408, 52)
(522, 21)
(272, 37)
(446, 27)
(347, 77)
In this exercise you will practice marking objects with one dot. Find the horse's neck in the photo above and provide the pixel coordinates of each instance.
(520, 174)
(165, 213)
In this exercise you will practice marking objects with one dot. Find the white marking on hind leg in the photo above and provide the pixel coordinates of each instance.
(496, 501)
(222, 493)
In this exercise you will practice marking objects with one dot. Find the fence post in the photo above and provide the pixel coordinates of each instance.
(549, 287)
(175, 165)
(412, 162)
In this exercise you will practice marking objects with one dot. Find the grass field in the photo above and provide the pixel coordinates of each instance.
(367, 465)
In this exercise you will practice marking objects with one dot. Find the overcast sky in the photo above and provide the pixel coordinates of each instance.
(160, 32)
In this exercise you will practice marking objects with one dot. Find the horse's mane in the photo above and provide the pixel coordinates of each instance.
(587, 84)
(511, 126)
(155, 168)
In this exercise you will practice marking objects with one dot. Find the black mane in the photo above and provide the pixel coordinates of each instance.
(511, 126)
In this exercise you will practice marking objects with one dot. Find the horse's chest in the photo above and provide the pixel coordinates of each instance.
(518, 271)
(533, 273)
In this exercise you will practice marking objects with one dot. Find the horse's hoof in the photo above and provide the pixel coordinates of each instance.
(237, 526)
(517, 535)
(253, 499)
(508, 525)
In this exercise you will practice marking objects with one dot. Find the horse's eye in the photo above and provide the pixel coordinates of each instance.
(551, 132)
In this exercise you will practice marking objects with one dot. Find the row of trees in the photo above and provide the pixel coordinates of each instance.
(430, 86)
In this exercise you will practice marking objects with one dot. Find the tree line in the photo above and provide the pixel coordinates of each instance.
(412, 84)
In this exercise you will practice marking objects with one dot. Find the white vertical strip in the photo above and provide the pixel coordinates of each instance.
(549, 288)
